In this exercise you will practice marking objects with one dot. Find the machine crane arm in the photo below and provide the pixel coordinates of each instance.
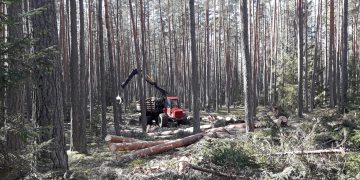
(147, 78)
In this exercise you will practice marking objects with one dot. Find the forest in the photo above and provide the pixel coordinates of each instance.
(179, 89)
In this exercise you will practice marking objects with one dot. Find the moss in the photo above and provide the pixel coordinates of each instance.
(135, 163)
(353, 163)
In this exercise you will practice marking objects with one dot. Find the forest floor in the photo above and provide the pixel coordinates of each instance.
(263, 154)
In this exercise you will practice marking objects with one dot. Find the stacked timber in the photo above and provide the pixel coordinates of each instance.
(153, 104)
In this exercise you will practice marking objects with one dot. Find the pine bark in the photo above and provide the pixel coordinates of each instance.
(140, 80)
(110, 39)
(300, 57)
(247, 70)
(331, 76)
(102, 72)
(314, 75)
(47, 102)
(83, 92)
(14, 93)
(194, 63)
(77, 142)
(306, 95)
(344, 60)
(92, 71)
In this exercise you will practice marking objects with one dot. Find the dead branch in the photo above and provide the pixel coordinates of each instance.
(230, 176)
(321, 151)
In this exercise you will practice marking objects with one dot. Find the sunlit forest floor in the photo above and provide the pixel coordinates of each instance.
(271, 152)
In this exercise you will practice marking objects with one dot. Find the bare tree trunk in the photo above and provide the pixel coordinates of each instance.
(76, 142)
(195, 79)
(300, 57)
(102, 80)
(140, 81)
(47, 92)
(306, 96)
(247, 70)
(344, 61)
(91, 65)
(316, 56)
(2, 87)
(14, 93)
(83, 97)
(143, 51)
(331, 56)
(110, 39)
(208, 60)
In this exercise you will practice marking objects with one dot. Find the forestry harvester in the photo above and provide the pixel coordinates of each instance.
(161, 110)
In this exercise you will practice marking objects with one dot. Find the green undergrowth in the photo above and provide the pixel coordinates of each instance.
(266, 153)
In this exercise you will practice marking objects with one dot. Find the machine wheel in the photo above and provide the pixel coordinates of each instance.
(185, 121)
(148, 120)
(163, 120)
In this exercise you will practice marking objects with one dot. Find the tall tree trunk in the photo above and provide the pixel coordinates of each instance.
(102, 72)
(110, 40)
(316, 56)
(14, 93)
(76, 140)
(2, 87)
(48, 112)
(331, 56)
(247, 70)
(140, 81)
(64, 52)
(300, 57)
(83, 97)
(208, 60)
(344, 61)
(143, 50)
(194, 63)
(306, 96)
(91, 64)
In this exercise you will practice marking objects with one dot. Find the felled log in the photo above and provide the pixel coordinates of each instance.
(134, 145)
(172, 132)
(160, 148)
(119, 139)
(321, 151)
(217, 173)
(240, 127)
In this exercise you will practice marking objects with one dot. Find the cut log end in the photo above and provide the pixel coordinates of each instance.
(108, 138)
(112, 147)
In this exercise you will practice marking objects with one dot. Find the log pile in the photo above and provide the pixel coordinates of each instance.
(139, 148)
(167, 146)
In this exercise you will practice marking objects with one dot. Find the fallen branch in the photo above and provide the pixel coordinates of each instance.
(120, 139)
(134, 145)
(321, 151)
(160, 148)
(216, 172)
